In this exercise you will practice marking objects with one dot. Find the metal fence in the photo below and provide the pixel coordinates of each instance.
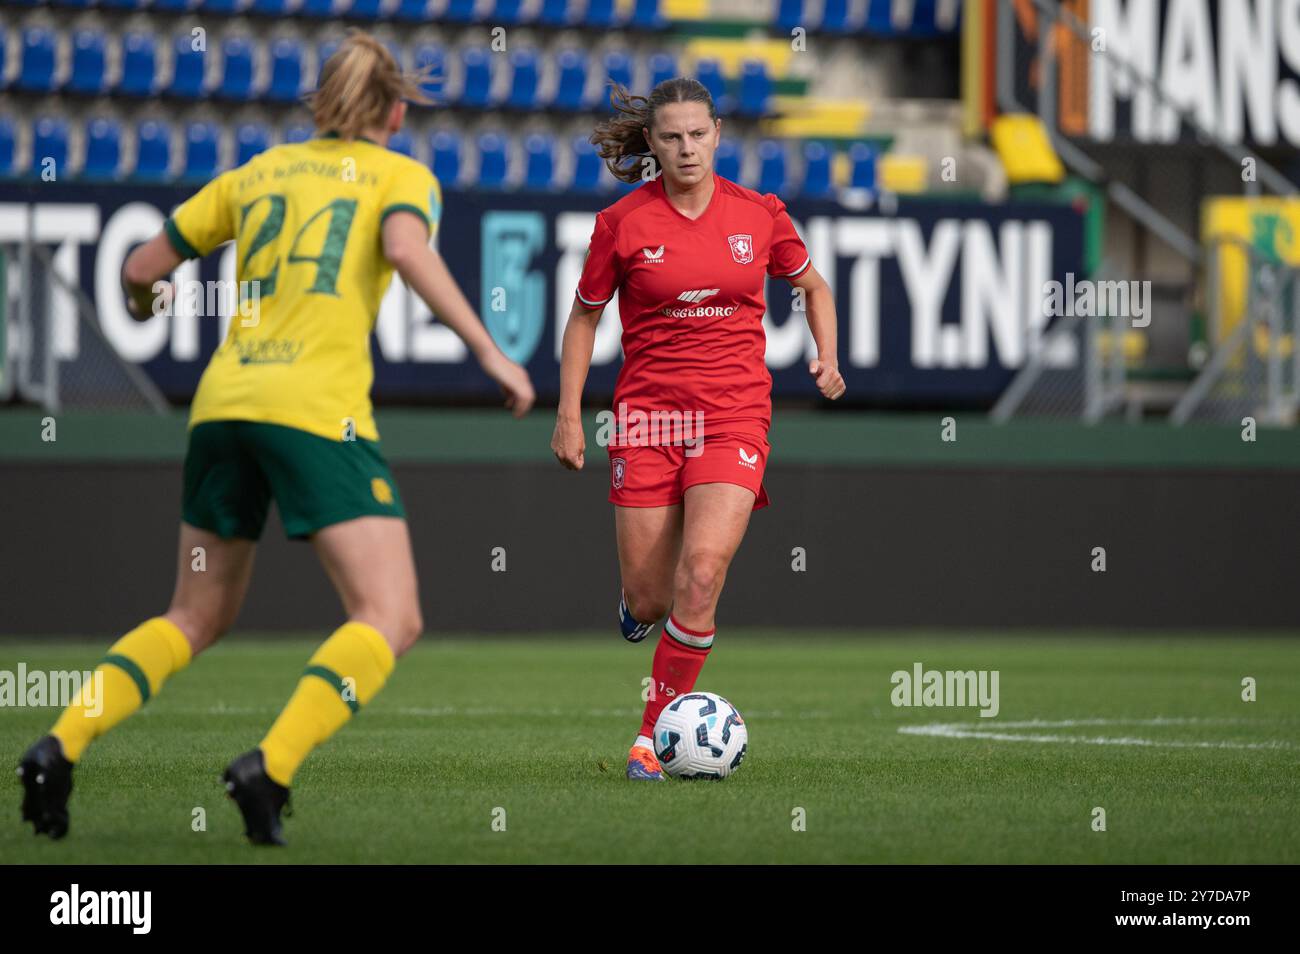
(52, 351)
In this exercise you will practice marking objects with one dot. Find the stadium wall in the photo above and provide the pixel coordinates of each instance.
(996, 529)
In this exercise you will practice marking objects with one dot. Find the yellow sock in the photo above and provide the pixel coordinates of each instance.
(134, 670)
(346, 672)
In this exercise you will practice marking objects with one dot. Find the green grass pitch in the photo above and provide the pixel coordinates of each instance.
(1151, 729)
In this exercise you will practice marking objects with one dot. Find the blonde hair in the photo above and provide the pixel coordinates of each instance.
(359, 85)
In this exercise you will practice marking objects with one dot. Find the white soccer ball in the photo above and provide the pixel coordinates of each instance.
(700, 735)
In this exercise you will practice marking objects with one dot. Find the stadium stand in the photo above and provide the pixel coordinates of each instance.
(156, 90)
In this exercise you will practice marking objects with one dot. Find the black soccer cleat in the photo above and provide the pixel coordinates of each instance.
(259, 797)
(47, 782)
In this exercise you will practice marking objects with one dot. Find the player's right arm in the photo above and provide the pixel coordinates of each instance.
(601, 276)
(203, 221)
(568, 442)
(406, 246)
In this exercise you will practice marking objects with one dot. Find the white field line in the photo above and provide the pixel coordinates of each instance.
(963, 730)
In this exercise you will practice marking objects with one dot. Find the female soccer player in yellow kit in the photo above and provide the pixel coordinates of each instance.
(283, 411)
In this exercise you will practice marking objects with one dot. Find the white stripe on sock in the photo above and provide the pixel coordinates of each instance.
(699, 642)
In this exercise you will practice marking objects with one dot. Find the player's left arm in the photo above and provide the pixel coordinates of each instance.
(819, 306)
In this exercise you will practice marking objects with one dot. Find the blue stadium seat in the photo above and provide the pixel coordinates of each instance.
(726, 161)
(222, 7)
(50, 142)
(459, 11)
(139, 64)
(201, 140)
(237, 69)
(709, 73)
(7, 137)
(87, 62)
(539, 173)
(122, 4)
(250, 139)
(365, 9)
(791, 14)
(412, 11)
(662, 67)
(299, 132)
(507, 12)
(402, 142)
(37, 68)
(446, 156)
(587, 166)
(771, 167)
(600, 14)
(270, 8)
(153, 150)
(323, 53)
(523, 79)
(476, 91)
(755, 88)
(316, 8)
(173, 6)
(103, 149)
(646, 15)
(862, 160)
(492, 161)
(554, 13)
(430, 57)
(188, 74)
(816, 171)
(73, 3)
(835, 15)
(618, 68)
(286, 70)
(573, 80)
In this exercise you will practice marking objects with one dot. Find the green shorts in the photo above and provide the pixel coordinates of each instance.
(234, 468)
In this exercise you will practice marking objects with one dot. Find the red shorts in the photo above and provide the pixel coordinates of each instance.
(658, 475)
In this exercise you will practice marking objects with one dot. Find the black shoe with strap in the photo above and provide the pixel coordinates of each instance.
(46, 778)
(260, 799)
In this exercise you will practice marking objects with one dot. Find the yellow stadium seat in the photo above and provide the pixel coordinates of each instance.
(804, 117)
(730, 54)
(685, 9)
(1026, 151)
(903, 174)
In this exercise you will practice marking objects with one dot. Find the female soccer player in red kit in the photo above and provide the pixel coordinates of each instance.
(688, 254)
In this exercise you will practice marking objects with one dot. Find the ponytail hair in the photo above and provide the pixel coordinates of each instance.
(620, 140)
(359, 85)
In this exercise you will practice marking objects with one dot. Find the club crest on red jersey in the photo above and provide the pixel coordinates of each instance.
(618, 468)
(742, 248)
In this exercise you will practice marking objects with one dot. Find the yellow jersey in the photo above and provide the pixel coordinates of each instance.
(306, 221)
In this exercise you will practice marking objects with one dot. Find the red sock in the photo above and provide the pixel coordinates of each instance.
(679, 657)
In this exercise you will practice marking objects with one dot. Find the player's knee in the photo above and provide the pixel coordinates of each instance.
(412, 627)
(700, 576)
(644, 606)
(201, 628)
(400, 627)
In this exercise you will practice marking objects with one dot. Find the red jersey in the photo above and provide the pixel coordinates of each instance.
(691, 299)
